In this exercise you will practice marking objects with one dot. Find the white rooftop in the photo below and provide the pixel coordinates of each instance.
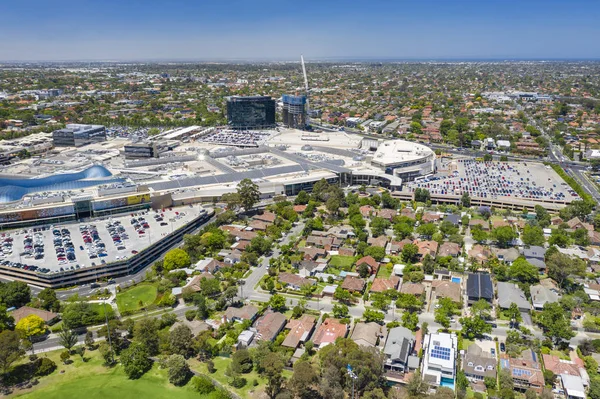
(394, 151)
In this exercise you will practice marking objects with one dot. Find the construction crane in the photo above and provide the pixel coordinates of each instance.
(306, 88)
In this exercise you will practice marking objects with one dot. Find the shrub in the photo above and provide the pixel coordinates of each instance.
(210, 366)
(44, 366)
(190, 315)
(203, 385)
(238, 382)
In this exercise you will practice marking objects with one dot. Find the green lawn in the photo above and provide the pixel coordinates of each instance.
(247, 391)
(129, 300)
(91, 380)
(341, 262)
(385, 271)
(100, 307)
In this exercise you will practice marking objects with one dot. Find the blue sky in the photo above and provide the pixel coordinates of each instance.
(283, 29)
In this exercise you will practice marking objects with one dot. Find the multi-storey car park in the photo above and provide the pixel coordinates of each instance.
(88, 185)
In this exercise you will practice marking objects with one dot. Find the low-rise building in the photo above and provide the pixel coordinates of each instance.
(478, 364)
(525, 371)
(439, 359)
(294, 281)
(509, 293)
(367, 334)
(269, 326)
(541, 295)
(479, 286)
(300, 331)
(328, 332)
(353, 284)
(246, 312)
(398, 351)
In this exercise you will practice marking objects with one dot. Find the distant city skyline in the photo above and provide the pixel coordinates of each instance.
(69, 30)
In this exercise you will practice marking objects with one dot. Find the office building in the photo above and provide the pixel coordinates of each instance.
(144, 150)
(254, 112)
(294, 111)
(76, 135)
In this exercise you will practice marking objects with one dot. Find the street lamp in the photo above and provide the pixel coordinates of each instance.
(352, 376)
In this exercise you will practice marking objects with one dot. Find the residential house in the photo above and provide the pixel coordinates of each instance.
(258, 225)
(484, 224)
(559, 366)
(408, 212)
(427, 248)
(310, 268)
(430, 217)
(353, 284)
(344, 251)
(267, 217)
(398, 351)
(541, 295)
(384, 284)
(479, 286)
(480, 253)
(449, 249)
(245, 339)
(312, 253)
(24, 311)
(446, 289)
(209, 265)
(509, 293)
(269, 326)
(453, 218)
(412, 289)
(576, 224)
(328, 332)
(380, 241)
(319, 242)
(195, 326)
(195, 284)
(300, 330)
(506, 255)
(367, 334)
(478, 364)
(294, 281)
(246, 312)
(525, 371)
(370, 262)
(366, 211)
(388, 214)
(573, 386)
(439, 359)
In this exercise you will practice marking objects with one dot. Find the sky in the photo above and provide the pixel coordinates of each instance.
(140, 30)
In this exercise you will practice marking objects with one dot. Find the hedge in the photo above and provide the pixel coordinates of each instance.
(571, 182)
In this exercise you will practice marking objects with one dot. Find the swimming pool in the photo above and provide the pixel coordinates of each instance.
(456, 280)
(447, 382)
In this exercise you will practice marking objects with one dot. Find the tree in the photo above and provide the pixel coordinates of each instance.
(7, 322)
(340, 311)
(513, 313)
(488, 158)
(474, 327)
(303, 379)
(342, 295)
(373, 315)
(273, 371)
(378, 253)
(203, 385)
(363, 270)
(146, 333)
(504, 236)
(10, 349)
(202, 307)
(89, 339)
(49, 300)
(410, 320)
(481, 309)
(478, 234)
(241, 362)
(65, 356)
(68, 338)
(422, 195)
(523, 271)
(378, 226)
(549, 377)
(465, 200)
(581, 237)
(106, 352)
(490, 382)
(427, 230)
(380, 301)
(416, 387)
(136, 360)
(561, 266)
(249, 193)
(533, 235)
(176, 258)
(409, 253)
(277, 302)
(408, 302)
(30, 326)
(555, 323)
(180, 340)
(178, 370)
(302, 198)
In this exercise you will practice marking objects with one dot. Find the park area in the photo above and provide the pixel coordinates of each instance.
(92, 380)
(136, 298)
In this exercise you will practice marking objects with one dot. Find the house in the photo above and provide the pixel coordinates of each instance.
(245, 339)
(344, 251)
(541, 295)
(319, 242)
(395, 247)
(384, 284)
(427, 248)
(24, 311)
(267, 217)
(328, 332)
(380, 241)
(478, 364)
(534, 252)
(525, 371)
(500, 223)
(576, 224)
(449, 249)
(312, 253)
(269, 326)
(479, 286)
(370, 262)
(195, 326)
(573, 386)
(310, 268)
(343, 232)
(479, 222)
(507, 255)
(559, 366)
(300, 330)
(439, 359)
(446, 289)
(388, 214)
(258, 225)
(366, 211)
(367, 334)
(246, 312)
(509, 293)
(208, 265)
(233, 257)
(480, 253)
(429, 217)
(412, 289)
(556, 220)
(398, 351)
(353, 284)
(408, 212)
(453, 218)
(294, 281)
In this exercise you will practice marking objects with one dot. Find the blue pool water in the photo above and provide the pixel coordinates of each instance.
(447, 382)
(456, 280)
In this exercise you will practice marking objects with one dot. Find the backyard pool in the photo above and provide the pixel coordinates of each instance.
(456, 280)
(447, 382)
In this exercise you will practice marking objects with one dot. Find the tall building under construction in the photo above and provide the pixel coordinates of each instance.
(294, 111)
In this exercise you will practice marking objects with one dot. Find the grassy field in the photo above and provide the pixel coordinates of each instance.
(247, 391)
(92, 380)
(129, 300)
(341, 262)
(385, 271)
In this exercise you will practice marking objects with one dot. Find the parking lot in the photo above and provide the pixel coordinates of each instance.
(523, 180)
(71, 246)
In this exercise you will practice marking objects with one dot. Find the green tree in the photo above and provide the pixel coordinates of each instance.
(416, 387)
(474, 327)
(302, 198)
(277, 302)
(408, 302)
(49, 300)
(410, 320)
(555, 323)
(504, 236)
(202, 307)
(180, 340)
(14, 294)
(67, 338)
(340, 311)
(523, 271)
(481, 309)
(479, 235)
(303, 379)
(533, 235)
(146, 333)
(409, 253)
(273, 371)
(427, 230)
(513, 313)
(465, 200)
(561, 267)
(135, 360)
(422, 195)
(241, 362)
(10, 349)
(232, 200)
(7, 322)
(342, 295)
(373, 316)
(176, 258)
(249, 193)
(178, 370)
